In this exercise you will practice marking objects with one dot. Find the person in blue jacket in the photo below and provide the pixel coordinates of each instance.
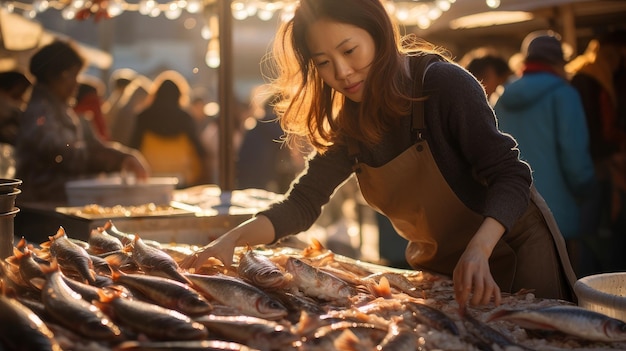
(544, 113)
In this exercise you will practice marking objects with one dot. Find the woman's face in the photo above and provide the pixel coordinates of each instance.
(342, 54)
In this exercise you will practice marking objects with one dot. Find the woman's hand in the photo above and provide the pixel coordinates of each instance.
(472, 275)
(222, 248)
(257, 230)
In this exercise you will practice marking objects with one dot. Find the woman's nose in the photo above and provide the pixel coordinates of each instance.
(342, 70)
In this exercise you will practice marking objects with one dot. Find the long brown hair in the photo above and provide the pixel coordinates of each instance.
(308, 107)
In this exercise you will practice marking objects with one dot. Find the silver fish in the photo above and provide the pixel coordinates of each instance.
(572, 320)
(325, 338)
(71, 255)
(100, 241)
(260, 271)
(192, 345)
(316, 283)
(234, 292)
(484, 336)
(431, 316)
(155, 321)
(255, 332)
(22, 329)
(28, 267)
(126, 238)
(398, 281)
(165, 292)
(154, 261)
(68, 307)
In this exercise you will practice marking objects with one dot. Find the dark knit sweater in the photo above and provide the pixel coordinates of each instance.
(466, 145)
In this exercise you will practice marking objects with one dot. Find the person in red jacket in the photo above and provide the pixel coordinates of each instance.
(89, 104)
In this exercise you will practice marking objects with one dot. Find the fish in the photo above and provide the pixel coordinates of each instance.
(316, 283)
(86, 291)
(193, 345)
(398, 339)
(431, 316)
(22, 329)
(70, 255)
(325, 337)
(398, 281)
(166, 292)
(154, 321)
(256, 332)
(100, 241)
(69, 309)
(100, 265)
(484, 336)
(28, 267)
(126, 238)
(260, 271)
(236, 293)
(154, 261)
(572, 320)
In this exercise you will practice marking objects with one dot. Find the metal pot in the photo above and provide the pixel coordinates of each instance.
(6, 233)
(9, 185)
(7, 201)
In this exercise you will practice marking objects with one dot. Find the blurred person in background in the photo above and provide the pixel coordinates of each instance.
(54, 145)
(14, 88)
(123, 115)
(492, 72)
(88, 103)
(166, 133)
(263, 162)
(118, 82)
(544, 113)
(14, 91)
(594, 75)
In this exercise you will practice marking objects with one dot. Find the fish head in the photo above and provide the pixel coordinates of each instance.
(271, 309)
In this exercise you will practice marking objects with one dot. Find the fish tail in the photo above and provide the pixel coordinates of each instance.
(499, 315)
(380, 289)
(21, 243)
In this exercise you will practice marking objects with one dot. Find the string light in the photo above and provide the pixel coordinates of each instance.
(419, 13)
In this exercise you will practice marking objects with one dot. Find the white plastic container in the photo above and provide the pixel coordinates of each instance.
(604, 293)
(112, 191)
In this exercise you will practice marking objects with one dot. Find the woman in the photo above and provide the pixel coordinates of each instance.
(54, 145)
(454, 188)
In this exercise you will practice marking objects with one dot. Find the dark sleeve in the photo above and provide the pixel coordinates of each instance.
(103, 156)
(309, 192)
(480, 163)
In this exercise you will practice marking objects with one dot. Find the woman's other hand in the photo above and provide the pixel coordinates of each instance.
(472, 275)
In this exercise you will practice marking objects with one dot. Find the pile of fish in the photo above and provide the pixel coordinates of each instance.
(117, 291)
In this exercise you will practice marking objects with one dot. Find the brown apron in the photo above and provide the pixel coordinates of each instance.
(411, 191)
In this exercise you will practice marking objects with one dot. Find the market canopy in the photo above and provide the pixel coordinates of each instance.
(20, 34)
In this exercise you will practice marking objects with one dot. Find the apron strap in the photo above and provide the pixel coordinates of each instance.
(420, 65)
(418, 125)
